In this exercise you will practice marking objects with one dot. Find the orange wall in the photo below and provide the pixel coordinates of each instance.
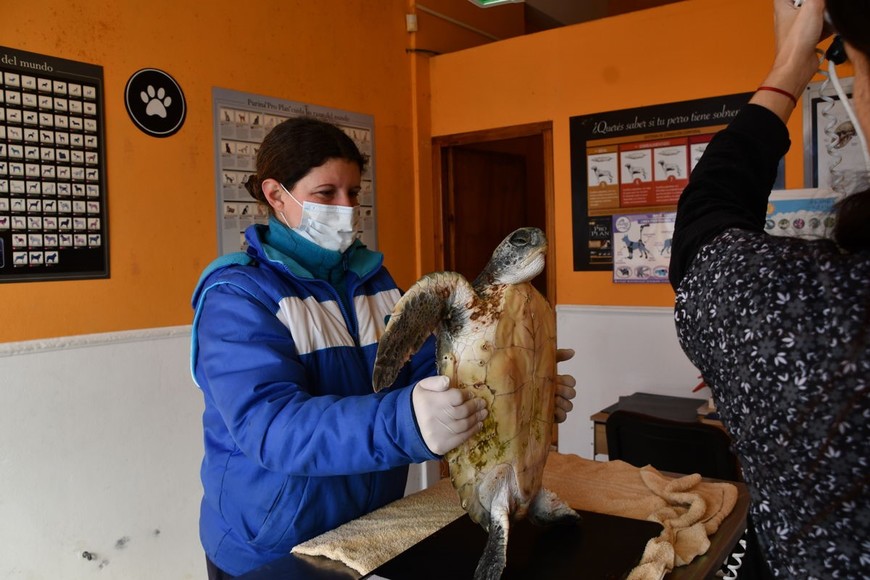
(481, 25)
(346, 55)
(437, 35)
(161, 192)
(681, 51)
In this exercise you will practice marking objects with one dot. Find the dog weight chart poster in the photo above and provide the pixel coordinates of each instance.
(628, 169)
(241, 121)
(53, 223)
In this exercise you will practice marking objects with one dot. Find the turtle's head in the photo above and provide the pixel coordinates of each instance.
(518, 258)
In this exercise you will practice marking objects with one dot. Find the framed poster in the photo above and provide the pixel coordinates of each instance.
(642, 247)
(241, 121)
(636, 162)
(53, 218)
(832, 150)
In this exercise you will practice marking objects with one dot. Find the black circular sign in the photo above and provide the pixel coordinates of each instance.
(155, 102)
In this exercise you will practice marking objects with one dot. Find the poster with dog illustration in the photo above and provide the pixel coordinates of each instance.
(241, 121)
(642, 247)
(53, 216)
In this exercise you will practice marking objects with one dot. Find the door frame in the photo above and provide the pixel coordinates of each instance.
(440, 181)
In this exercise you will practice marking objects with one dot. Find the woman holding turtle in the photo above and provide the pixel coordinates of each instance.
(284, 341)
(780, 327)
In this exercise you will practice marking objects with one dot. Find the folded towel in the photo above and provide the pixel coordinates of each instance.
(367, 542)
(689, 510)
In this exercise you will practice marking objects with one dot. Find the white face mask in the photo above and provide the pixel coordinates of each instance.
(332, 227)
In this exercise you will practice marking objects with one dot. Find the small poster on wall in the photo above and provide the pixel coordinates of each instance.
(53, 218)
(242, 120)
(833, 157)
(801, 213)
(642, 247)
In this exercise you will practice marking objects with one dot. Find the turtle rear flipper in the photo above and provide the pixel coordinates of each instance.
(424, 307)
(548, 509)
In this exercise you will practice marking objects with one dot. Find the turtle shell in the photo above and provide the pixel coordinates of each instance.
(505, 353)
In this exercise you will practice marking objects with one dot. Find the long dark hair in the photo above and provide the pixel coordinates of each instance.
(851, 20)
(852, 228)
(296, 146)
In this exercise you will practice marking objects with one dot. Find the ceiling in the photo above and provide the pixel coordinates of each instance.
(562, 13)
(546, 14)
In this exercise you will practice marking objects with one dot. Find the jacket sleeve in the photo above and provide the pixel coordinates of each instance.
(247, 365)
(730, 185)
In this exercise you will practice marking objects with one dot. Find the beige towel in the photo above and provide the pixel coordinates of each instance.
(689, 509)
(367, 542)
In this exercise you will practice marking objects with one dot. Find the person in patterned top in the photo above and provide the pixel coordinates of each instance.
(780, 327)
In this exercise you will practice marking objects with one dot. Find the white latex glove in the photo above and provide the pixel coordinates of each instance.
(446, 417)
(564, 388)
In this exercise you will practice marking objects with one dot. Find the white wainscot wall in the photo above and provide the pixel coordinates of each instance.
(619, 351)
(100, 446)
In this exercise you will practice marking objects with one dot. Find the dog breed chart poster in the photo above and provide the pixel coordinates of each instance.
(242, 120)
(635, 162)
(52, 169)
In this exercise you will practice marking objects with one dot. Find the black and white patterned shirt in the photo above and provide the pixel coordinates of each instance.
(780, 329)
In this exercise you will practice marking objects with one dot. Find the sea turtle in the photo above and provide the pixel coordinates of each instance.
(497, 339)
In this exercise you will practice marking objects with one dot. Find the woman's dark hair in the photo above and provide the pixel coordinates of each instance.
(852, 228)
(296, 146)
(851, 20)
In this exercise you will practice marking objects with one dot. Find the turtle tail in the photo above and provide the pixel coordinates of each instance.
(496, 492)
(494, 558)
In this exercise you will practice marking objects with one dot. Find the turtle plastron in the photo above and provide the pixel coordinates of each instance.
(496, 340)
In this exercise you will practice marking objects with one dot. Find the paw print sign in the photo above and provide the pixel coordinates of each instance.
(155, 102)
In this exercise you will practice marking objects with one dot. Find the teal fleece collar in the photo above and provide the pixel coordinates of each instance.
(308, 260)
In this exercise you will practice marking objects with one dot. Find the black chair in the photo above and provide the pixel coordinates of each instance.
(667, 445)
(685, 447)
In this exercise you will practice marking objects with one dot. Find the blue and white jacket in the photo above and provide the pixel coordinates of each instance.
(296, 442)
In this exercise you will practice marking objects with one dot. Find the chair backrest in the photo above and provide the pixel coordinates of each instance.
(677, 446)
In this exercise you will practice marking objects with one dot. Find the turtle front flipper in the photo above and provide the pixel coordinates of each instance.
(425, 306)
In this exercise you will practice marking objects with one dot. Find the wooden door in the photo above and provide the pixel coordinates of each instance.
(488, 184)
(485, 202)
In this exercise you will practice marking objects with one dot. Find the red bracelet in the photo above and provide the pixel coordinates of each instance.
(781, 92)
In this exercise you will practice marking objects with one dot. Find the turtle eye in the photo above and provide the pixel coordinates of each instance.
(520, 239)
